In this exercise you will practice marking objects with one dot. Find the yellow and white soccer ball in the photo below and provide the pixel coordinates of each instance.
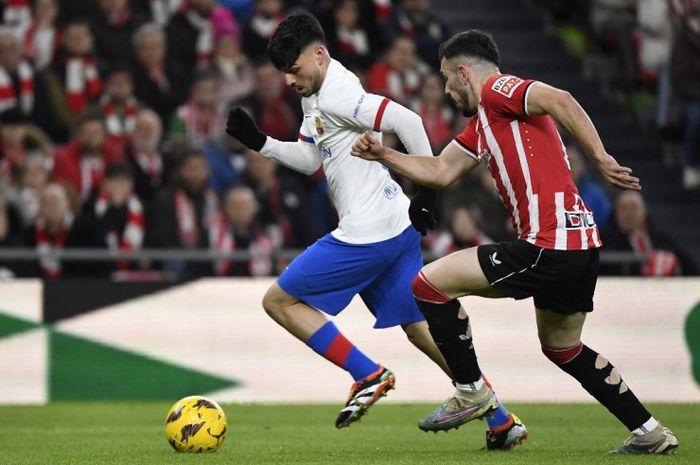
(195, 424)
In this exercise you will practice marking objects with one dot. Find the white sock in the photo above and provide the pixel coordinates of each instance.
(471, 387)
(648, 426)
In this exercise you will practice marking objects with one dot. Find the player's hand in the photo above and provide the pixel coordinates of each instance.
(616, 175)
(240, 125)
(367, 147)
(422, 210)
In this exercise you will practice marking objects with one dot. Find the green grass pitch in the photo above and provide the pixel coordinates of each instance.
(132, 433)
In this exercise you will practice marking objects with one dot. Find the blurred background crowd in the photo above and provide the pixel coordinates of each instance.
(112, 116)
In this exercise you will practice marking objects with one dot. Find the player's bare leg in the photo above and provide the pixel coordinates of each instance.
(372, 381)
(436, 289)
(560, 336)
(419, 335)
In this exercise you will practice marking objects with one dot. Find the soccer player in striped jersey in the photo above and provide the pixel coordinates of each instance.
(374, 252)
(555, 258)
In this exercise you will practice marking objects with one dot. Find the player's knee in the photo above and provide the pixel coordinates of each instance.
(562, 356)
(425, 291)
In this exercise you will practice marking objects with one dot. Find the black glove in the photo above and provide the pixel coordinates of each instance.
(422, 210)
(241, 126)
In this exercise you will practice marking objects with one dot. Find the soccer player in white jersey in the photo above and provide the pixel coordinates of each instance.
(375, 251)
(555, 258)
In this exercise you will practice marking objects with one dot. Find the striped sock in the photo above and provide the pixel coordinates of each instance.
(331, 344)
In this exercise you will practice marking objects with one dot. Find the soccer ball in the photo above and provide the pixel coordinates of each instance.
(195, 424)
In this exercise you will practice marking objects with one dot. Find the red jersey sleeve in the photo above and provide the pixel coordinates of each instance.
(467, 139)
(506, 95)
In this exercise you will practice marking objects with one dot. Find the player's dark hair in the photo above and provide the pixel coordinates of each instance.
(291, 37)
(472, 43)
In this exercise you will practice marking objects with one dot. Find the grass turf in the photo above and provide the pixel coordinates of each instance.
(132, 433)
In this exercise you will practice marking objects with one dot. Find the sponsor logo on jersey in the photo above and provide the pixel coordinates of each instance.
(325, 152)
(494, 260)
(391, 190)
(319, 126)
(358, 105)
(506, 85)
(579, 220)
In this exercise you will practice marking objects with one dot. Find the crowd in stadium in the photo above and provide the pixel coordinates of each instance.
(112, 118)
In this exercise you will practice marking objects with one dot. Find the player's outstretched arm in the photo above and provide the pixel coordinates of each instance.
(438, 172)
(299, 156)
(566, 111)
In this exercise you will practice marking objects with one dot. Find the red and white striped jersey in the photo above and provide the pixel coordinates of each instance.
(528, 161)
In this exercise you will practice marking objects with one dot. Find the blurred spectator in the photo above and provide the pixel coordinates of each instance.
(227, 160)
(113, 28)
(463, 232)
(349, 41)
(282, 200)
(614, 23)
(118, 105)
(17, 138)
(592, 193)
(268, 15)
(480, 188)
(202, 117)
(438, 117)
(240, 208)
(685, 69)
(242, 9)
(232, 67)
(73, 80)
(276, 110)
(9, 238)
(188, 216)
(33, 175)
(159, 82)
(57, 228)
(191, 32)
(633, 231)
(399, 73)
(655, 53)
(145, 157)
(20, 86)
(72, 9)
(117, 212)
(43, 36)
(160, 11)
(81, 164)
(416, 20)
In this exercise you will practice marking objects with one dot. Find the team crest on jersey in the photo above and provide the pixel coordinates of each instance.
(319, 126)
(506, 85)
(325, 152)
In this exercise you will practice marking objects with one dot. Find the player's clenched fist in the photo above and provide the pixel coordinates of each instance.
(241, 126)
(367, 147)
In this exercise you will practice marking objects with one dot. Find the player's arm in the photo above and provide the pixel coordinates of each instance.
(438, 172)
(543, 99)
(300, 156)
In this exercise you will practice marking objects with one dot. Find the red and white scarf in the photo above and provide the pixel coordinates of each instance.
(40, 44)
(205, 39)
(92, 170)
(47, 242)
(200, 127)
(8, 95)
(659, 262)
(119, 125)
(354, 41)
(151, 165)
(17, 12)
(188, 226)
(83, 83)
(131, 238)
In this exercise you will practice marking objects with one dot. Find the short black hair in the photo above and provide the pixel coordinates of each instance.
(292, 36)
(472, 43)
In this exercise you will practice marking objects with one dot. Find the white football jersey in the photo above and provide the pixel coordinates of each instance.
(371, 205)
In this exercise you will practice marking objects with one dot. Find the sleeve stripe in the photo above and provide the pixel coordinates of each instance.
(525, 95)
(307, 139)
(380, 114)
(466, 149)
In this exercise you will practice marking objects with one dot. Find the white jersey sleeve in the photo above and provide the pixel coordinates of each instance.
(300, 156)
(373, 112)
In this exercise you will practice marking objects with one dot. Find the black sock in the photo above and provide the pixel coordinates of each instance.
(602, 380)
(453, 337)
